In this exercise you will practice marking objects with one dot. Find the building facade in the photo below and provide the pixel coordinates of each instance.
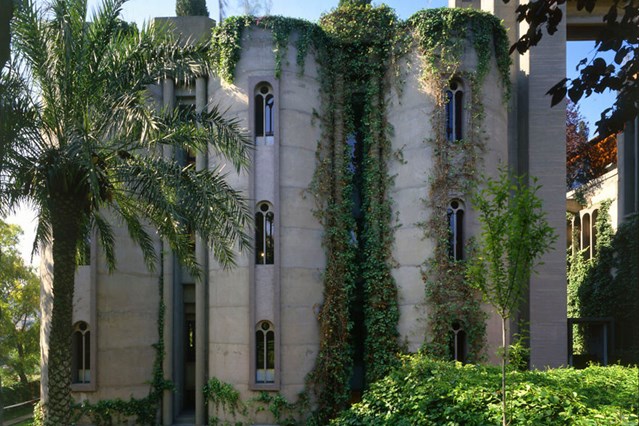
(256, 326)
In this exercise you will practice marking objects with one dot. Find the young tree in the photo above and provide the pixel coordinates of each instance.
(80, 137)
(191, 8)
(514, 234)
(19, 311)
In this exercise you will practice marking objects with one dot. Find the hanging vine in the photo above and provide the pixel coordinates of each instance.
(145, 410)
(358, 47)
(442, 36)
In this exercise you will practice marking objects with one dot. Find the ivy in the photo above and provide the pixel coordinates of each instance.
(227, 41)
(605, 284)
(145, 410)
(358, 47)
(442, 36)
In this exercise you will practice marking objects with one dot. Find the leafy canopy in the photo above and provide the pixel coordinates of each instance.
(619, 35)
(191, 8)
(19, 312)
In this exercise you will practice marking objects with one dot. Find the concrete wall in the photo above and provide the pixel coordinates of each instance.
(410, 115)
(301, 257)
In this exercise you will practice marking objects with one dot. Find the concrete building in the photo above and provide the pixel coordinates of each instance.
(256, 326)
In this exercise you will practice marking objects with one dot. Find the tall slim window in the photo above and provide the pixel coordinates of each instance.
(454, 110)
(264, 119)
(455, 216)
(264, 231)
(265, 353)
(585, 234)
(81, 353)
(457, 342)
(593, 233)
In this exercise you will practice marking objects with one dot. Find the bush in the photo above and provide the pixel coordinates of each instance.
(428, 392)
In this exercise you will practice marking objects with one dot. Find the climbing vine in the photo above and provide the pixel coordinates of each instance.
(443, 35)
(145, 410)
(227, 41)
(358, 48)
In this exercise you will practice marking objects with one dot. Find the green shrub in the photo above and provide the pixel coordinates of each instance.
(427, 392)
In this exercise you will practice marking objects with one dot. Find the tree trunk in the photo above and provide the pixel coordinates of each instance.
(504, 357)
(64, 228)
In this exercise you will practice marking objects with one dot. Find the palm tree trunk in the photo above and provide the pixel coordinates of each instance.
(64, 228)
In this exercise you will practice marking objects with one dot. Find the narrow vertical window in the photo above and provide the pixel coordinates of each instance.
(264, 235)
(455, 214)
(81, 353)
(264, 115)
(593, 233)
(265, 353)
(585, 234)
(454, 111)
(457, 342)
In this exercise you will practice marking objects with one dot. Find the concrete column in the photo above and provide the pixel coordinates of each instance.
(201, 256)
(168, 96)
(544, 133)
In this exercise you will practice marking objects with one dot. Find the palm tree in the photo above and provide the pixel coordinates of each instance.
(81, 142)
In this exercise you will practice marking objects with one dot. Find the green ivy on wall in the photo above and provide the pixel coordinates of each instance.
(443, 36)
(605, 285)
(145, 410)
(358, 48)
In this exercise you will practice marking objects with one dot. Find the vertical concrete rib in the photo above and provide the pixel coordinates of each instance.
(547, 162)
(168, 96)
(201, 255)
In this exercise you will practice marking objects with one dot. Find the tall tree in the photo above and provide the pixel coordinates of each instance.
(586, 160)
(619, 35)
(576, 139)
(80, 140)
(191, 8)
(514, 234)
(19, 311)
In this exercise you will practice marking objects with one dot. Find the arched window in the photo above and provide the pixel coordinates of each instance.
(264, 235)
(265, 353)
(264, 118)
(585, 234)
(593, 232)
(454, 110)
(577, 232)
(81, 353)
(457, 342)
(455, 214)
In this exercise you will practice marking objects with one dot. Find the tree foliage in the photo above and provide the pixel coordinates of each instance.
(514, 234)
(605, 284)
(618, 35)
(19, 312)
(586, 160)
(191, 8)
(424, 391)
(80, 137)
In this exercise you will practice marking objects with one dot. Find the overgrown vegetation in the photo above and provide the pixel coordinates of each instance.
(443, 35)
(358, 47)
(144, 410)
(19, 316)
(514, 235)
(426, 391)
(228, 404)
(605, 285)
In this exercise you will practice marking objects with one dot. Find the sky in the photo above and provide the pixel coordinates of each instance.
(142, 11)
